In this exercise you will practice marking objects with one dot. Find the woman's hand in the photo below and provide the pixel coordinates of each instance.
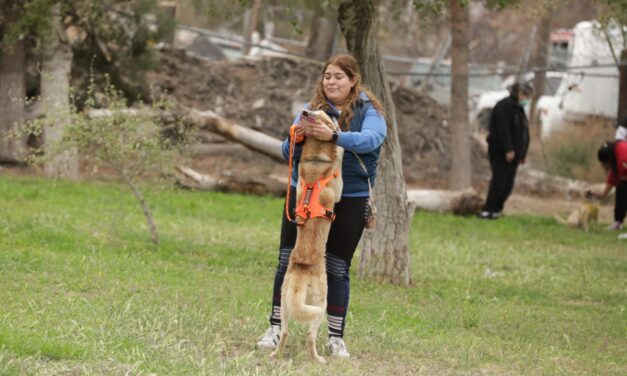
(299, 132)
(318, 130)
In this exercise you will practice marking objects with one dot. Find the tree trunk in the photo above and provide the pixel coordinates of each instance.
(12, 96)
(460, 177)
(250, 25)
(622, 91)
(385, 251)
(443, 49)
(541, 59)
(524, 61)
(55, 93)
(321, 38)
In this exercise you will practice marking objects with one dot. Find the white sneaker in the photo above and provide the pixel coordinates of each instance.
(615, 226)
(270, 338)
(622, 236)
(337, 348)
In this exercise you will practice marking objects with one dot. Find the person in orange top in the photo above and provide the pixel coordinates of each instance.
(613, 158)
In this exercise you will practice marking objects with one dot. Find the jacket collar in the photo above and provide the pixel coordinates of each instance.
(333, 111)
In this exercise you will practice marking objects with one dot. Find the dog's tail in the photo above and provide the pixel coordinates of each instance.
(560, 219)
(299, 310)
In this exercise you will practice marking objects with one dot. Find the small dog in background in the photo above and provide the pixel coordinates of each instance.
(581, 217)
(304, 290)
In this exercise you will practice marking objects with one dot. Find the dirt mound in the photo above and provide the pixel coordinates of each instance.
(256, 94)
(265, 94)
(425, 137)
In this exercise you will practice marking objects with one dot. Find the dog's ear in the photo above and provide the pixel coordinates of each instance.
(326, 120)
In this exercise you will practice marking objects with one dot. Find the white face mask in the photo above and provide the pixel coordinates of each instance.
(524, 102)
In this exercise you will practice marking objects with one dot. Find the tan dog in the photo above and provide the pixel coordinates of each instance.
(304, 290)
(581, 217)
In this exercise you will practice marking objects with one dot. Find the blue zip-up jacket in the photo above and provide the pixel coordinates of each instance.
(365, 137)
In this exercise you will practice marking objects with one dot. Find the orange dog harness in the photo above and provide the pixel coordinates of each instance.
(309, 205)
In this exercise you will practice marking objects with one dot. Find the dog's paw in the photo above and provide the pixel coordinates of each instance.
(321, 360)
(274, 355)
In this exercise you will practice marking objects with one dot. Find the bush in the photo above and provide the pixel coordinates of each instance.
(573, 153)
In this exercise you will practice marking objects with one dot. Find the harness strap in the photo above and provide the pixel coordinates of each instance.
(309, 205)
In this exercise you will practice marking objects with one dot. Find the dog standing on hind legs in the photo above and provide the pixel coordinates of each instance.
(304, 289)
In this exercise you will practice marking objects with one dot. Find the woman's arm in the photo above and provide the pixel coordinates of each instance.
(373, 132)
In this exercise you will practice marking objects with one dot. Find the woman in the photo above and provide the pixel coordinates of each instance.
(613, 158)
(340, 94)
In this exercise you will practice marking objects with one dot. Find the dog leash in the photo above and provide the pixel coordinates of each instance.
(289, 174)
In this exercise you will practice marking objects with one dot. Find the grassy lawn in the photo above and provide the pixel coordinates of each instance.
(83, 292)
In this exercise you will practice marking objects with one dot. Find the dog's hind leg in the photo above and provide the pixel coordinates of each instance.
(283, 338)
(311, 339)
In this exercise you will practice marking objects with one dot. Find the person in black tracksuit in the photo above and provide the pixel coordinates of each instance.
(508, 142)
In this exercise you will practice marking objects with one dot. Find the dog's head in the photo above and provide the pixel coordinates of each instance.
(312, 116)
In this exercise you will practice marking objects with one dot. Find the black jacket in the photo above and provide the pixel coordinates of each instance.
(509, 129)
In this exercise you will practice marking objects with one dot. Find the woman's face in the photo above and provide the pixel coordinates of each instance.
(337, 85)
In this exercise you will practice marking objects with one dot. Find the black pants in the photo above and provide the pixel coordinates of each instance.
(501, 184)
(344, 237)
(620, 205)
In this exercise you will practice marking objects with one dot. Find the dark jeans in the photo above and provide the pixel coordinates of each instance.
(344, 237)
(501, 184)
(620, 205)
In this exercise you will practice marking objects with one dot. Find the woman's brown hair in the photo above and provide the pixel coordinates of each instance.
(349, 66)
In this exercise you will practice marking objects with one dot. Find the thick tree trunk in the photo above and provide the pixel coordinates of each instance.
(55, 93)
(385, 251)
(541, 59)
(460, 176)
(12, 97)
(321, 38)
(622, 91)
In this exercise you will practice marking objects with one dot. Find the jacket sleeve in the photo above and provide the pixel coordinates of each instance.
(611, 179)
(503, 127)
(285, 147)
(373, 132)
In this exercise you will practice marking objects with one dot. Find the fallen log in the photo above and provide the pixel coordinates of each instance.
(250, 138)
(229, 149)
(540, 183)
(259, 185)
(466, 202)
(210, 121)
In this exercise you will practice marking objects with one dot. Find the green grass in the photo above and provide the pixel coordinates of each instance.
(83, 292)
